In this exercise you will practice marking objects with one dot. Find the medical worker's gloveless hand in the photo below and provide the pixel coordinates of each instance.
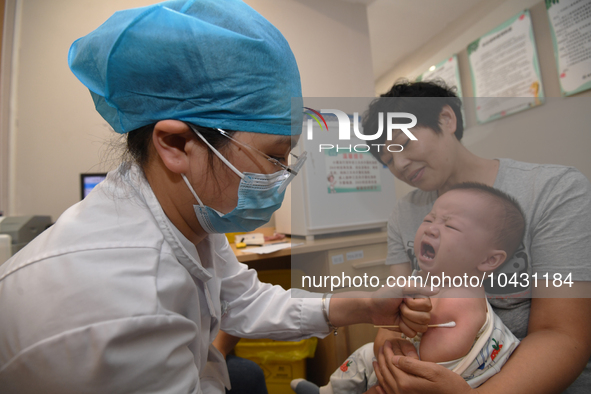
(414, 313)
(399, 373)
(409, 309)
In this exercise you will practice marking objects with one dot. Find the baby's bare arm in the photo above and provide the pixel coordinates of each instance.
(447, 344)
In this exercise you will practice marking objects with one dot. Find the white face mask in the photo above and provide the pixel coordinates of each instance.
(259, 195)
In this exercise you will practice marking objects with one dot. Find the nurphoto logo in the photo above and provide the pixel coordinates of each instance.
(344, 126)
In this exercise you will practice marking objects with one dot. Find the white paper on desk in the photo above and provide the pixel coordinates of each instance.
(271, 248)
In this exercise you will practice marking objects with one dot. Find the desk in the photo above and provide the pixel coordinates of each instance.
(349, 254)
(316, 245)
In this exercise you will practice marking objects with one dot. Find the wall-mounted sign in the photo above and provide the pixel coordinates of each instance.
(505, 70)
(447, 70)
(570, 24)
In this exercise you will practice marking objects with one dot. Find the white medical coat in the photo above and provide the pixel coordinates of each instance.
(111, 299)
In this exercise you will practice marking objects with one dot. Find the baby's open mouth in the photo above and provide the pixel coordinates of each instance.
(427, 251)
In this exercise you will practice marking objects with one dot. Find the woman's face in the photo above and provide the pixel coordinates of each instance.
(220, 189)
(428, 162)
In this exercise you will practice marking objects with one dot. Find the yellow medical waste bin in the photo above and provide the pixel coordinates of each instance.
(281, 361)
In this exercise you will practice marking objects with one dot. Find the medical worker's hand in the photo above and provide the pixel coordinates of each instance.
(411, 315)
(408, 309)
(399, 374)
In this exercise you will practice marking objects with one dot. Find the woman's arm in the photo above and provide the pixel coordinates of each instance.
(553, 354)
(558, 343)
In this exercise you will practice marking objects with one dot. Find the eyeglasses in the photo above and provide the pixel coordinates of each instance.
(292, 168)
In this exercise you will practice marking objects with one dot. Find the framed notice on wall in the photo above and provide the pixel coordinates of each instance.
(446, 70)
(570, 24)
(350, 171)
(505, 70)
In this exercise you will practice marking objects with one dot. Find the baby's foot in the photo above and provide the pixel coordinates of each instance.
(302, 386)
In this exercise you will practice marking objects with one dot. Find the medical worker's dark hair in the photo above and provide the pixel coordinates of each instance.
(140, 140)
(425, 100)
(510, 223)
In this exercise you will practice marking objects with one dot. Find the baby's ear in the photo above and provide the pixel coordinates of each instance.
(493, 261)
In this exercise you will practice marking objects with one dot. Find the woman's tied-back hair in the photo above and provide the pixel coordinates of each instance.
(139, 141)
(425, 100)
(510, 224)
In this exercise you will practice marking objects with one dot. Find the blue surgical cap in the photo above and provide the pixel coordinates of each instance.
(213, 63)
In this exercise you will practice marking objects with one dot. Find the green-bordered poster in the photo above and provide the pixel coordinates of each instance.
(447, 70)
(570, 24)
(505, 70)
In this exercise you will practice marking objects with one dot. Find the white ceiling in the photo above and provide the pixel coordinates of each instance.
(397, 28)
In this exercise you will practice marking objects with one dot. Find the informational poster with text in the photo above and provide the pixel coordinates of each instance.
(570, 24)
(348, 172)
(504, 65)
(447, 70)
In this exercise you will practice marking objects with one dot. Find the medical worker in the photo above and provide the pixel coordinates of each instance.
(129, 288)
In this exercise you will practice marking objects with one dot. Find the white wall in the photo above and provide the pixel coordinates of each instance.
(7, 15)
(330, 40)
(557, 132)
(58, 134)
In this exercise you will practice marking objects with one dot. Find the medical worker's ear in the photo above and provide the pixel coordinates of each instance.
(174, 141)
(493, 261)
(447, 120)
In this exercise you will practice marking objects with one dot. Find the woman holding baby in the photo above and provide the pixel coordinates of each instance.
(555, 333)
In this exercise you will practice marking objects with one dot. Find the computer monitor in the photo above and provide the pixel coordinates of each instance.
(89, 181)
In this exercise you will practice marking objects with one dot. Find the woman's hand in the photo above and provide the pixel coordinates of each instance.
(375, 390)
(398, 373)
(384, 335)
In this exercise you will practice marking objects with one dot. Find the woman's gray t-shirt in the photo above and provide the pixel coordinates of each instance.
(556, 201)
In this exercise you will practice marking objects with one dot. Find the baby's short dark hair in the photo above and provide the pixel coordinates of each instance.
(511, 225)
